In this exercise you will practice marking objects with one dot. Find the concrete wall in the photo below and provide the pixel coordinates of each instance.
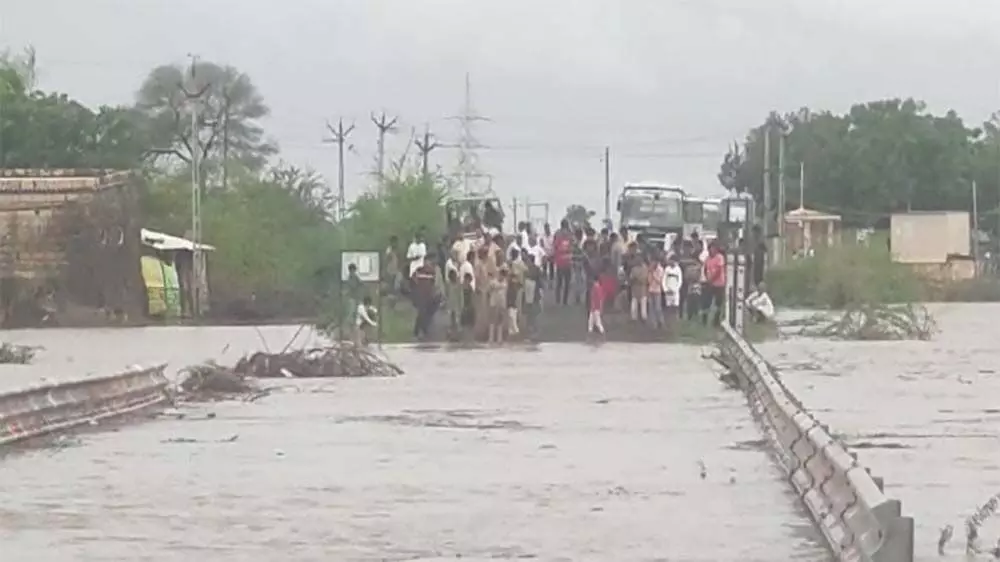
(846, 503)
(44, 409)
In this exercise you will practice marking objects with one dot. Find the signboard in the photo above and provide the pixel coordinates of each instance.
(366, 262)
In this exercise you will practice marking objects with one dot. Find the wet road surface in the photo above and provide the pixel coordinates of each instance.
(568, 453)
(924, 415)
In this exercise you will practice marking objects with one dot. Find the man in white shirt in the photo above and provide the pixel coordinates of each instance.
(416, 252)
(535, 250)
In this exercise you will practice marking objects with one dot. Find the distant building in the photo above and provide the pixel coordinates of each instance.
(937, 244)
(70, 240)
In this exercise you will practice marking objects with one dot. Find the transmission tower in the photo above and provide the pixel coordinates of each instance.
(468, 159)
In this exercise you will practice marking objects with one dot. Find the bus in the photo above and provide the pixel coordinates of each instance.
(653, 212)
(702, 215)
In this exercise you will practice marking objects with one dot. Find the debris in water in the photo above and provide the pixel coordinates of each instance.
(17, 354)
(877, 322)
(342, 359)
(211, 381)
(946, 534)
(702, 470)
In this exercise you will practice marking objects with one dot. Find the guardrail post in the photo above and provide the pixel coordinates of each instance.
(740, 297)
(729, 310)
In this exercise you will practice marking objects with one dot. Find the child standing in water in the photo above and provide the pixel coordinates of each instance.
(594, 321)
(497, 301)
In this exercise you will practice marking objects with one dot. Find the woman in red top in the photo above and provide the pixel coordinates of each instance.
(714, 287)
(562, 258)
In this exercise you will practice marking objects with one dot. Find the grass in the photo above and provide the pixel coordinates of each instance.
(842, 276)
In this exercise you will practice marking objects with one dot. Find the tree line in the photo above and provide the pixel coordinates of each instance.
(273, 224)
(879, 157)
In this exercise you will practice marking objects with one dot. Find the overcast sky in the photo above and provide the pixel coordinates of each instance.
(667, 83)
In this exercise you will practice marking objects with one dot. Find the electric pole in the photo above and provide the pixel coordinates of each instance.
(339, 136)
(607, 185)
(975, 225)
(468, 144)
(425, 146)
(198, 258)
(780, 254)
(384, 125)
(225, 141)
(767, 181)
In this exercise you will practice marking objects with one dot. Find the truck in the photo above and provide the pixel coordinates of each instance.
(652, 212)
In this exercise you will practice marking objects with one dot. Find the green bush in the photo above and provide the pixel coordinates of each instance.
(843, 276)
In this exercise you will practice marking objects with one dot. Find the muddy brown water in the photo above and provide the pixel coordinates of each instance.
(566, 453)
(924, 415)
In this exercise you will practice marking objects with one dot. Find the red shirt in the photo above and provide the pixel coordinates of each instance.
(715, 270)
(562, 254)
(596, 297)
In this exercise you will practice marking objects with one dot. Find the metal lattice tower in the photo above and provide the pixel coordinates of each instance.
(468, 159)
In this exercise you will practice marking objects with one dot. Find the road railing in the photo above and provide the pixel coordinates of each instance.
(54, 407)
(847, 504)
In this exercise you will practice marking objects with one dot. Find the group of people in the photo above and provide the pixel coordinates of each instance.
(492, 288)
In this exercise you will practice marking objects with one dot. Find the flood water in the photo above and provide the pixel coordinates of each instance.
(924, 415)
(567, 453)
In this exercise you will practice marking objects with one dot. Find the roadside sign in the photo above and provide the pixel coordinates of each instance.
(367, 263)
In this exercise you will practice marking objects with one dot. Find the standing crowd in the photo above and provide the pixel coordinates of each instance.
(492, 288)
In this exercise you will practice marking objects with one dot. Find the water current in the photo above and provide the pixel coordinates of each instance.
(567, 453)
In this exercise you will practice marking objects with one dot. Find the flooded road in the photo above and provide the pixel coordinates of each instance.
(925, 415)
(568, 453)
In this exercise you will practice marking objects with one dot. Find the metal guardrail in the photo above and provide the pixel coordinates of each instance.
(858, 522)
(55, 407)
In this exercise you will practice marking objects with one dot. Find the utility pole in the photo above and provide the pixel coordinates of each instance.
(767, 181)
(384, 125)
(607, 185)
(425, 146)
(225, 142)
(975, 225)
(198, 258)
(802, 185)
(467, 144)
(780, 253)
(339, 136)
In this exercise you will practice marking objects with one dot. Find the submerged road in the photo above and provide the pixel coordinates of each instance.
(568, 453)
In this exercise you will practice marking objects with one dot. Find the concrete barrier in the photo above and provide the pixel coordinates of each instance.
(48, 408)
(858, 522)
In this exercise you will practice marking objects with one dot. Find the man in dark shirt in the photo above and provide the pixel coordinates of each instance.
(424, 298)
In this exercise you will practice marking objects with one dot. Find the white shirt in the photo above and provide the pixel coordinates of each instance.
(546, 242)
(538, 252)
(467, 269)
(416, 254)
(460, 249)
(450, 265)
(673, 279)
(761, 302)
(362, 318)
(522, 239)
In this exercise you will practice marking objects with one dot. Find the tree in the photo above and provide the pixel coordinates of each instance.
(880, 157)
(228, 122)
(578, 216)
(50, 129)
